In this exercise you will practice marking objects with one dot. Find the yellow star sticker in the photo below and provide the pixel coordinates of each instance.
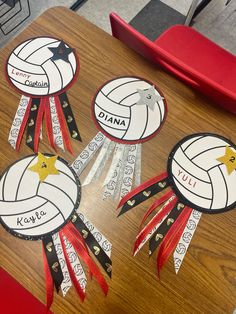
(229, 159)
(45, 166)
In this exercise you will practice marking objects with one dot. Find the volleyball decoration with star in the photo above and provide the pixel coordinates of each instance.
(201, 177)
(127, 111)
(39, 199)
(42, 69)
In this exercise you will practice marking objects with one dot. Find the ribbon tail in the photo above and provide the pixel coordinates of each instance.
(185, 239)
(56, 129)
(171, 238)
(69, 117)
(137, 170)
(143, 192)
(31, 123)
(76, 242)
(49, 282)
(93, 245)
(157, 203)
(154, 224)
(38, 124)
(49, 123)
(85, 156)
(19, 122)
(76, 284)
(62, 124)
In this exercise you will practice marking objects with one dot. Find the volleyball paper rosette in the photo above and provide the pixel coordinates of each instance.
(202, 178)
(127, 111)
(42, 69)
(39, 197)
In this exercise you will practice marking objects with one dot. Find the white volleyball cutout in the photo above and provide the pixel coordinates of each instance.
(198, 178)
(119, 115)
(31, 209)
(31, 69)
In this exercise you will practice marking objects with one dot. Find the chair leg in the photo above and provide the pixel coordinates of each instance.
(191, 12)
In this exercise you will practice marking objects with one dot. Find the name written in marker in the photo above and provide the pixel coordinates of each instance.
(186, 178)
(21, 221)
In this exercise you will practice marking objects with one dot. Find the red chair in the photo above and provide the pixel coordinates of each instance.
(190, 56)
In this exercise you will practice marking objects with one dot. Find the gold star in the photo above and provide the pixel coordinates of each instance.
(229, 159)
(45, 166)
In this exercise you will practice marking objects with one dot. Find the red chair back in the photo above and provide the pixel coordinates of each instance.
(189, 55)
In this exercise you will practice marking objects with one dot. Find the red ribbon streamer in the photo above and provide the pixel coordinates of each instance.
(76, 284)
(49, 282)
(63, 124)
(48, 120)
(38, 124)
(157, 203)
(172, 238)
(141, 187)
(23, 125)
(75, 239)
(155, 220)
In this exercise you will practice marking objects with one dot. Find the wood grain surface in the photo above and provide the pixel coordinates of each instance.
(206, 282)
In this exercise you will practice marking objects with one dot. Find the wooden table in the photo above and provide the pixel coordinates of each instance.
(206, 282)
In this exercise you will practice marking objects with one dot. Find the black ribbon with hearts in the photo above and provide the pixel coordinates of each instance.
(53, 262)
(93, 244)
(31, 123)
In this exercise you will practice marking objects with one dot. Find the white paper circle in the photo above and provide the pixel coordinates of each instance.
(31, 209)
(118, 114)
(201, 181)
(32, 71)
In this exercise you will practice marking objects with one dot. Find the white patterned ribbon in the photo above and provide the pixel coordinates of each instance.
(101, 239)
(137, 169)
(113, 172)
(75, 263)
(185, 239)
(56, 129)
(100, 162)
(66, 283)
(155, 228)
(84, 157)
(18, 119)
(127, 180)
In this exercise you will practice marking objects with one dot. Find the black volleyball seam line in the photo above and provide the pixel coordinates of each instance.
(24, 70)
(120, 85)
(37, 190)
(128, 123)
(48, 87)
(73, 73)
(59, 73)
(127, 97)
(24, 60)
(191, 191)
(226, 186)
(215, 167)
(109, 99)
(27, 85)
(54, 206)
(59, 190)
(53, 42)
(207, 151)
(26, 43)
(22, 213)
(190, 173)
(193, 142)
(110, 127)
(193, 161)
(18, 201)
(67, 175)
(17, 190)
(112, 113)
(43, 223)
(145, 128)
(212, 191)
(3, 184)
